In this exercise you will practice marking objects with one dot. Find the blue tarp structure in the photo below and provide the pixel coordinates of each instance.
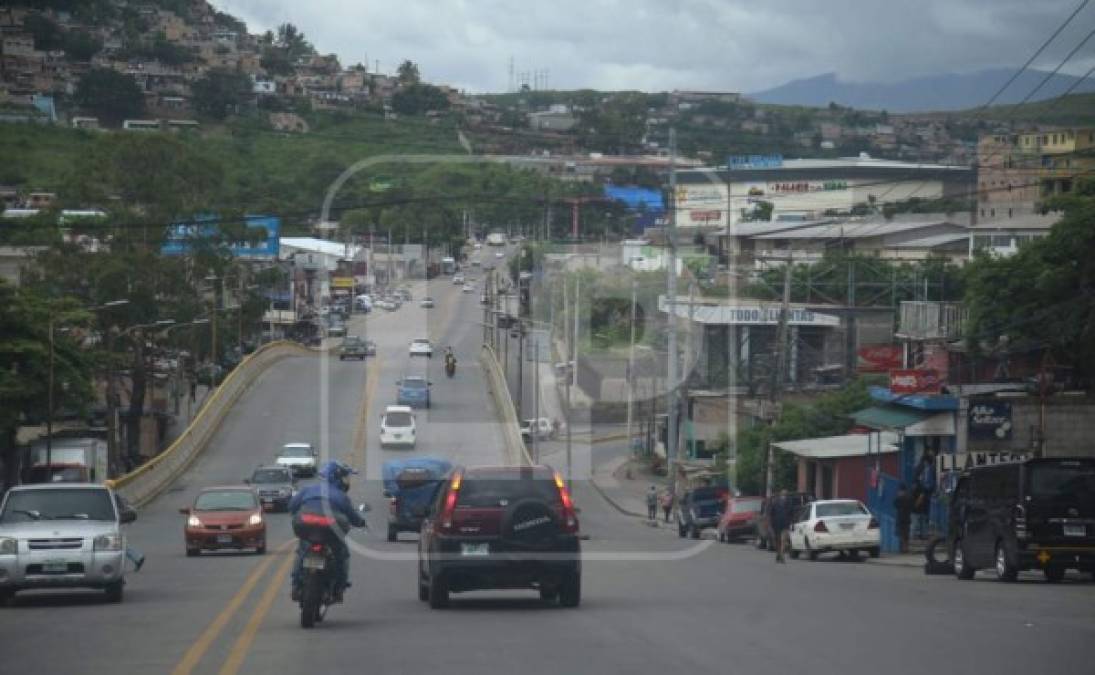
(636, 197)
(417, 494)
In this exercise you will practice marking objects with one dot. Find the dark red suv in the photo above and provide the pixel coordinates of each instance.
(496, 527)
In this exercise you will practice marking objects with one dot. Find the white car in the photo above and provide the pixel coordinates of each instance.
(426, 303)
(457, 279)
(468, 288)
(397, 427)
(299, 457)
(421, 347)
(842, 525)
(542, 427)
(499, 255)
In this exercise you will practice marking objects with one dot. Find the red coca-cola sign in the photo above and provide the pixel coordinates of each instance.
(879, 358)
(915, 382)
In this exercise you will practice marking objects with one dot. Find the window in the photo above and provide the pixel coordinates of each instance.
(225, 500)
(1001, 240)
(981, 241)
(840, 509)
(77, 504)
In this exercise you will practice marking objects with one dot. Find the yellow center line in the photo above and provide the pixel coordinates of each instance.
(197, 650)
(361, 426)
(243, 643)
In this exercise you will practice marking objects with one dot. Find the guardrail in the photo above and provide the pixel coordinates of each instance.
(503, 403)
(143, 484)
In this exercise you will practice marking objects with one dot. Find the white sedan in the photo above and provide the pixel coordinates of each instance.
(499, 255)
(421, 347)
(843, 525)
(468, 288)
(397, 427)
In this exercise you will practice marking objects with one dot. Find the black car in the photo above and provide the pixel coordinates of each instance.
(1035, 514)
(274, 485)
(500, 528)
(764, 522)
(700, 509)
(353, 347)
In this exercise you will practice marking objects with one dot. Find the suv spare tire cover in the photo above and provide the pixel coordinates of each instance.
(531, 524)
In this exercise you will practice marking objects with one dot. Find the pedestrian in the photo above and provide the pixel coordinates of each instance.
(193, 389)
(652, 503)
(667, 503)
(779, 512)
(925, 488)
(903, 505)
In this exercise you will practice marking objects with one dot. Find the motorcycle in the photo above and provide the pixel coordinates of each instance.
(450, 366)
(318, 565)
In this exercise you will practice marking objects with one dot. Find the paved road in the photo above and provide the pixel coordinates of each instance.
(652, 602)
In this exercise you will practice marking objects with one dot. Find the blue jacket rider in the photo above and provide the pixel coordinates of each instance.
(329, 495)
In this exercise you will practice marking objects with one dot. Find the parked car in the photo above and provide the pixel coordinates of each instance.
(421, 347)
(468, 288)
(1036, 514)
(77, 530)
(700, 509)
(764, 524)
(363, 303)
(426, 303)
(274, 485)
(352, 347)
(739, 521)
(501, 528)
(300, 458)
(336, 327)
(414, 391)
(410, 485)
(843, 525)
(225, 518)
(397, 427)
(542, 427)
(457, 279)
(370, 348)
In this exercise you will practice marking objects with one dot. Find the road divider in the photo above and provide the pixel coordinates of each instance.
(150, 479)
(503, 404)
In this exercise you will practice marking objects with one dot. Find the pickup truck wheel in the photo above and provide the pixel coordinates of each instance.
(694, 532)
(114, 592)
(7, 597)
(191, 552)
(393, 533)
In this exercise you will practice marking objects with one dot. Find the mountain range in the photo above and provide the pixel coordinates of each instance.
(950, 91)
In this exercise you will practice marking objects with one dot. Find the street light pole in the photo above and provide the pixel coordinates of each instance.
(49, 403)
(671, 449)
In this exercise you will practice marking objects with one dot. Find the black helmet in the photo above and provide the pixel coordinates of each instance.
(337, 474)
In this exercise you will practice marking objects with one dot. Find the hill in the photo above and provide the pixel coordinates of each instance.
(949, 91)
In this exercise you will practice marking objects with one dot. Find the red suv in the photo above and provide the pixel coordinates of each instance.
(740, 518)
(496, 527)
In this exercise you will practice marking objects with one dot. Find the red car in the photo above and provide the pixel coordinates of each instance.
(225, 518)
(740, 518)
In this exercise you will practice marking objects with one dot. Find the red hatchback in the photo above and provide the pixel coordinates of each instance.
(739, 521)
(225, 518)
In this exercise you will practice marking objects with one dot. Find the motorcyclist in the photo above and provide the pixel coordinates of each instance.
(450, 359)
(330, 496)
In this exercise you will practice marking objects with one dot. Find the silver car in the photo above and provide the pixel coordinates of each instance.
(62, 535)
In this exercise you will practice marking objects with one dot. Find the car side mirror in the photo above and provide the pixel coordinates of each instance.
(127, 516)
(364, 508)
(185, 510)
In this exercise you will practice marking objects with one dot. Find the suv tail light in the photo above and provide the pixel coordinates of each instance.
(570, 520)
(873, 525)
(1019, 518)
(445, 520)
(821, 527)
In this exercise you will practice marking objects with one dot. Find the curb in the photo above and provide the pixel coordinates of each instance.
(612, 502)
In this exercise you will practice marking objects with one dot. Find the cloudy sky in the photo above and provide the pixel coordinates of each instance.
(657, 45)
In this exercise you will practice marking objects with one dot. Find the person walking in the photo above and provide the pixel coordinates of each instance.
(667, 503)
(925, 488)
(780, 516)
(652, 503)
(903, 505)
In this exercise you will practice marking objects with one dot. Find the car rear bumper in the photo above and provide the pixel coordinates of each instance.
(300, 469)
(506, 569)
(739, 529)
(840, 542)
(1038, 557)
(83, 569)
(215, 540)
(389, 442)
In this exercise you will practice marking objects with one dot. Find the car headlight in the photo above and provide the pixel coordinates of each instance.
(9, 546)
(255, 519)
(193, 521)
(108, 542)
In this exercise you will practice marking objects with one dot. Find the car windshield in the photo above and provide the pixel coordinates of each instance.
(745, 505)
(352, 342)
(225, 500)
(414, 383)
(423, 343)
(840, 509)
(297, 451)
(488, 492)
(1074, 481)
(708, 494)
(397, 419)
(82, 504)
(270, 476)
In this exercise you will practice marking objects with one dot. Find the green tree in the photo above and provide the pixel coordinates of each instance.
(408, 73)
(418, 99)
(109, 95)
(81, 46)
(47, 34)
(221, 92)
(292, 40)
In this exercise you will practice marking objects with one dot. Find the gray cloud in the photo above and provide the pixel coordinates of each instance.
(656, 45)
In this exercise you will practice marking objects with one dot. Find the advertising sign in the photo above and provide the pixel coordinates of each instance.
(342, 282)
(879, 358)
(990, 420)
(182, 238)
(915, 382)
(745, 162)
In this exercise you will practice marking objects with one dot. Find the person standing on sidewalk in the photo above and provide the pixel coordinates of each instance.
(779, 512)
(652, 503)
(667, 503)
(903, 505)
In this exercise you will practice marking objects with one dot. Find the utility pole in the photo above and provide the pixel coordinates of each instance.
(781, 364)
(536, 396)
(631, 366)
(567, 370)
(671, 447)
(520, 370)
(49, 404)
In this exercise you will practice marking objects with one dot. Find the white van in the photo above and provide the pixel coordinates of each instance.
(397, 427)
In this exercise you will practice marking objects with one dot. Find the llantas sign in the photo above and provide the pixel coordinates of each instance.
(915, 382)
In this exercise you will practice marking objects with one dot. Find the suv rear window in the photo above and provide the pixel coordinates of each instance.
(397, 419)
(1071, 480)
(840, 509)
(745, 505)
(708, 494)
(30, 505)
(488, 492)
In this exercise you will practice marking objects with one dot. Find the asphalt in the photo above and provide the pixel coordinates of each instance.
(652, 603)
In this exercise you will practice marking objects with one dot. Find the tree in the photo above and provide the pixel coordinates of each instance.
(292, 40)
(109, 95)
(1045, 293)
(408, 73)
(221, 92)
(47, 34)
(80, 46)
(418, 99)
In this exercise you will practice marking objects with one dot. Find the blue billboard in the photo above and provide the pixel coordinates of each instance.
(745, 162)
(182, 237)
(636, 197)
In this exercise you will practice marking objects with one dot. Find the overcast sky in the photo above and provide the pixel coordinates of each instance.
(659, 45)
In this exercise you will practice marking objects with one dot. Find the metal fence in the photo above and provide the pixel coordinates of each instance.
(503, 403)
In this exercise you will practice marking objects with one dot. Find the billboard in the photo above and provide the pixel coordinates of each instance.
(879, 358)
(915, 382)
(990, 420)
(182, 237)
(744, 162)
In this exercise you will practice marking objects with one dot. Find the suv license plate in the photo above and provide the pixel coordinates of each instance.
(475, 549)
(224, 539)
(314, 562)
(55, 566)
(1075, 530)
